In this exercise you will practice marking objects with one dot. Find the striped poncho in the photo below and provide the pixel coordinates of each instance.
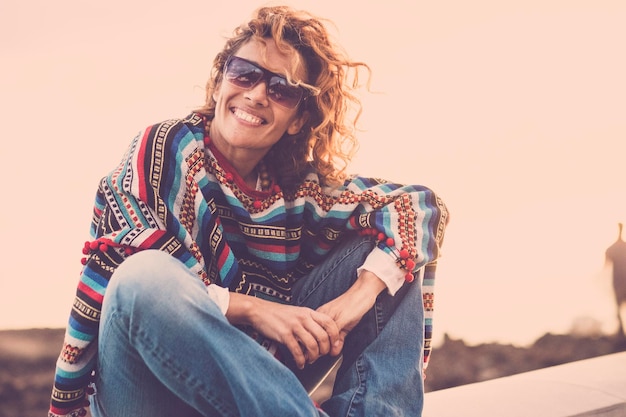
(174, 192)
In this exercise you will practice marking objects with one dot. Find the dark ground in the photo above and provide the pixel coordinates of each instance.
(455, 363)
(27, 360)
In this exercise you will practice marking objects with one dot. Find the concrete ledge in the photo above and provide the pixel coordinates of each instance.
(592, 387)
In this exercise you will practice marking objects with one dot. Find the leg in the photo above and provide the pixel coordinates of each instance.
(381, 372)
(620, 323)
(166, 349)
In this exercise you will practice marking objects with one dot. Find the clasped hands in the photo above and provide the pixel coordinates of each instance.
(308, 334)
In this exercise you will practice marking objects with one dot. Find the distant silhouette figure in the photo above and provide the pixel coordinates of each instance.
(616, 255)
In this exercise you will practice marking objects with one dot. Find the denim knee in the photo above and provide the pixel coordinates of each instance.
(145, 277)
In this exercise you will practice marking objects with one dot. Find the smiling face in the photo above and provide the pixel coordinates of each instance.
(247, 123)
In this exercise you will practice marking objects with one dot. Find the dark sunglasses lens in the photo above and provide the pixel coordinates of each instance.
(246, 75)
(242, 73)
(282, 93)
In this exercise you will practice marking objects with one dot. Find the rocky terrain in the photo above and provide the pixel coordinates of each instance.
(27, 360)
(456, 363)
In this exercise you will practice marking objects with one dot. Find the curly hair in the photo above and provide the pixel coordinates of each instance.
(327, 141)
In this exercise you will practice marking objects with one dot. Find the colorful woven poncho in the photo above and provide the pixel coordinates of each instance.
(175, 193)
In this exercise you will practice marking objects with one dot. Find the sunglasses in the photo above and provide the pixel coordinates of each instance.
(245, 74)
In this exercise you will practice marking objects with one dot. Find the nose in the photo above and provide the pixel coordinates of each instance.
(258, 94)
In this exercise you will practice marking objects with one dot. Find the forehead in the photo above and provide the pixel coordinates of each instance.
(265, 53)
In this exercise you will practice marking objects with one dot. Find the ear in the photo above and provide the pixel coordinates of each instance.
(298, 123)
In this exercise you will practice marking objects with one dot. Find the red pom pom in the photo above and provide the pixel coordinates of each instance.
(380, 236)
(86, 251)
(229, 177)
(409, 277)
(83, 261)
(103, 247)
(257, 204)
(404, 254)
(410, 264)
(389, 241)
(128, 251)
(94, 245)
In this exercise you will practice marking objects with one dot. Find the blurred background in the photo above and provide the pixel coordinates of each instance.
(512, 111)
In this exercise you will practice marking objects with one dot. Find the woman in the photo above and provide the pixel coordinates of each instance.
(234, 251)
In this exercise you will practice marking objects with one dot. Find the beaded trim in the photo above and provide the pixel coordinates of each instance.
(404, 260)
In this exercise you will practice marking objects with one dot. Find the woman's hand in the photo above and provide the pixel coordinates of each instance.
(348, 309)
(308, 334)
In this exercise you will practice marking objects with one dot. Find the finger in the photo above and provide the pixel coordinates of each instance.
(338, 346)
(297, 352)
(309, 343)
(325, 332)
(332, 344)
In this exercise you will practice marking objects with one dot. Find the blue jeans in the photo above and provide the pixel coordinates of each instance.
(165, 348)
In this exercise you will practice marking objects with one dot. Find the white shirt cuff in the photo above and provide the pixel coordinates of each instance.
(384, 267)
(220, 295)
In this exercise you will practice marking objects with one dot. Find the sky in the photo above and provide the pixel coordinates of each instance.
(513, 111)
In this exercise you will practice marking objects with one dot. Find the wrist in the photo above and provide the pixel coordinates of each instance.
(370, 281)
(241, 309)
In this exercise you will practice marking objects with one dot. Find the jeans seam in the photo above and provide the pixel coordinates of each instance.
(378, 314)
(360, 370)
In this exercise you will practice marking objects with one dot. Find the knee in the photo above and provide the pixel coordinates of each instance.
(145, 275)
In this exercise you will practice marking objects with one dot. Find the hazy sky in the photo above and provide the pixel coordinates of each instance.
(514, 111)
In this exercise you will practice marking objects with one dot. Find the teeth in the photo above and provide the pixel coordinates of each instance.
(247, 117)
